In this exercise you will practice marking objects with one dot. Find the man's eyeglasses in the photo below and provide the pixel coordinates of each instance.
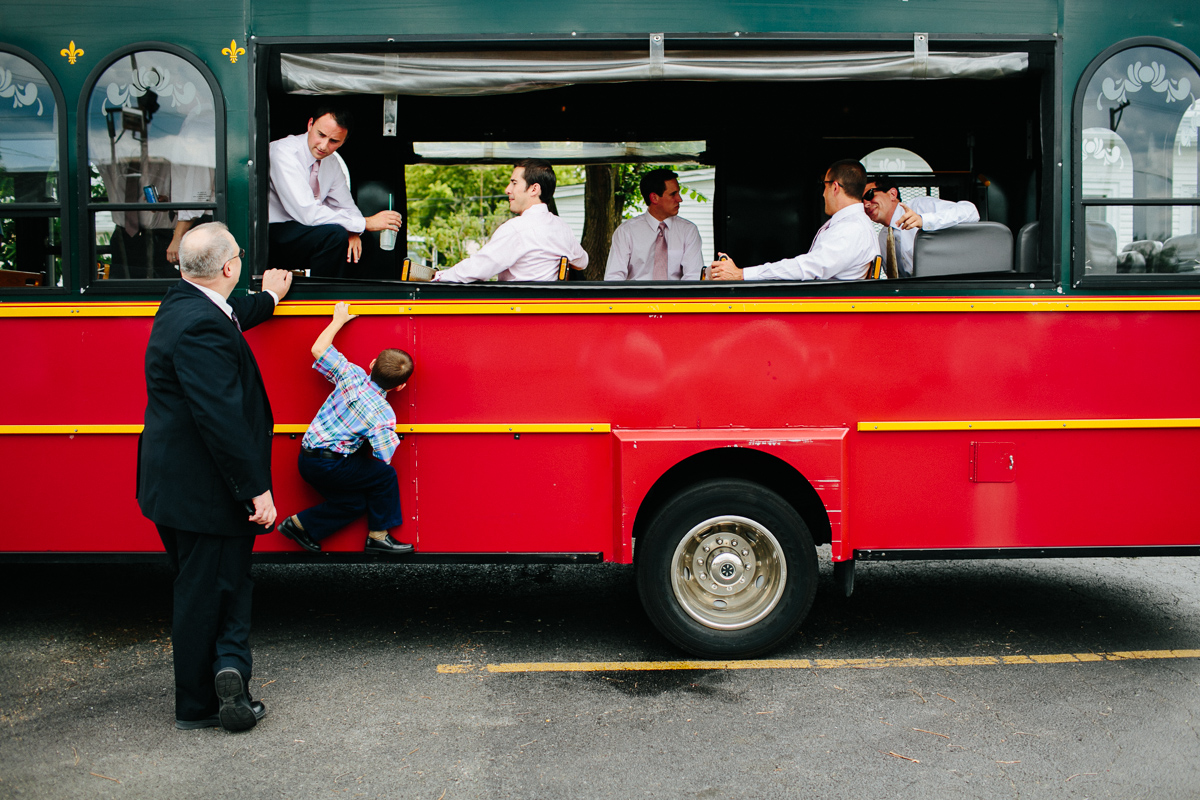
(826, 183)
(241, 254)
(869, 194)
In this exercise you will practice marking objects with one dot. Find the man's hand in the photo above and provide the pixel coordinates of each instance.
(354, 251)
(385, 220)
(173, 249)
(278, 281)
(264, 510)
(910, 220)
(724, 269)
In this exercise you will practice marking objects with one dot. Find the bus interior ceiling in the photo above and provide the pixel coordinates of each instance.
(770, 141)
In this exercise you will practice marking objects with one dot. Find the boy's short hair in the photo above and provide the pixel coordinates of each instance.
(392, 368)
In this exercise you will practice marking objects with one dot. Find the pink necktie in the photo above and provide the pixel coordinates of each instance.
(660, 253)
(820, 230)
(312, 178)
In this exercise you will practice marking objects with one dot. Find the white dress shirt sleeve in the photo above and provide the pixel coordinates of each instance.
(693, 254)
(842, 250)
(619, 253)
(493, 258)
(938, 214)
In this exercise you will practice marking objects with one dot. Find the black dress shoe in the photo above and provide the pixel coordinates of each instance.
(214, 721)
(388, 545)
(235, 713)
(298, 535)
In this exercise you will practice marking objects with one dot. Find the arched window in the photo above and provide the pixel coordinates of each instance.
(1135, 191)
(900, 163)
(153, 141)
(31, 162)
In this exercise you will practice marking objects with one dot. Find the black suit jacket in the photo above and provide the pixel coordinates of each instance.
(206, 446)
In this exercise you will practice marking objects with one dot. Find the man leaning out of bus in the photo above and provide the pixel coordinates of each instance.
(843, 248)
(347, 451)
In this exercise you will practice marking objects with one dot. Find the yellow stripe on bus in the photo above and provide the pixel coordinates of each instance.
(551, 427)
(807, 305)
(1029, 424)
(816, 663)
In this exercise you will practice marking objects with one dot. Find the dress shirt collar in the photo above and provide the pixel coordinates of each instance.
(852, 210)
(896, 215)
(305, 154)
(536, 208)
(216, 298)
(653, 223)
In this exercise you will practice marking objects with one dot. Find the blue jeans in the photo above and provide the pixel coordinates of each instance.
(350, 485)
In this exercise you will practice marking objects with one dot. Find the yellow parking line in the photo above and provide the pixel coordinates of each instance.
(816, 663)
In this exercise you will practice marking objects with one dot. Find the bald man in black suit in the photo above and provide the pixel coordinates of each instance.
(204, 471)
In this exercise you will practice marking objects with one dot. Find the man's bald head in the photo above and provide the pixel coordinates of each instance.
(205, 249)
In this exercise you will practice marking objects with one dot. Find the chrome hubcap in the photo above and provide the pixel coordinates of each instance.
(728, 572)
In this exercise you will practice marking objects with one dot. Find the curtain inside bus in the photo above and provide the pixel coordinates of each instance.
(504, 72)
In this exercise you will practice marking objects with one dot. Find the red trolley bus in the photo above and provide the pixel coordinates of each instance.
(1039, 400)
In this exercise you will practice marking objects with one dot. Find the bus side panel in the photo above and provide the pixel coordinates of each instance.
(646, 455)
(1061, 488)
(72, 493)
(514, 493)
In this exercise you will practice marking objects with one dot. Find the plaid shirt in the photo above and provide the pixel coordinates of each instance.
(355, 410)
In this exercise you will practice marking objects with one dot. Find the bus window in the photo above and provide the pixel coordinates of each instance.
(152, 143)
(30, 206)
(763, 202)
(1138, 209)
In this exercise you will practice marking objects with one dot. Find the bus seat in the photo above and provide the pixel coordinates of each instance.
(1027, 247)
(1100, 248)
(416, 272)
(14, 277)
(874, 269)
(1180, 254)
(568, 271)
(970, 247)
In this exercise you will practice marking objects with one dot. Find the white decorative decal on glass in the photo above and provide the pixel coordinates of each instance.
(152, 79)
(21, 97)
(1093, 147)
(1138, 75)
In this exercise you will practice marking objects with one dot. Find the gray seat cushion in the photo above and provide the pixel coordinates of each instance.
(970, 247)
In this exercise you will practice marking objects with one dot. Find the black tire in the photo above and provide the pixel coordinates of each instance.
(760, 563)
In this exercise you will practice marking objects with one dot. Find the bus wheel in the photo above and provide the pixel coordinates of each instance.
(727, 569)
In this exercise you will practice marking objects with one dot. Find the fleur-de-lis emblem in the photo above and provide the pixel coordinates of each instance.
(233, 51)
(71, 52)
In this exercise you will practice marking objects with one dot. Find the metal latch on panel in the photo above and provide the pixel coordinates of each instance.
(391, 102)
(657, 54)
(993, 462)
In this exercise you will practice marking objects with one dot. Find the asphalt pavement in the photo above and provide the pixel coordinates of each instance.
(985, 679)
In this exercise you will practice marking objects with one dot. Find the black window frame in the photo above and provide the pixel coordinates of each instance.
(1048, 278)
(88, 209)
(59, 210)
(1079, 204)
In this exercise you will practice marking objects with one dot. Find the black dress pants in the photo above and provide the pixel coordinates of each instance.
(320, 249)
(210, 626)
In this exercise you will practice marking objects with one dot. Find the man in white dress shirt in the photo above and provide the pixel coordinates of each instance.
(314, 222)
(843, 248)
(900, 221)
(656, 245)
(528, 247)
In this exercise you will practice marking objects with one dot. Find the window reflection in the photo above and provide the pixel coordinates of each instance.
(1143, 95)
(30, 246)
(1140, 115)
(151, 139)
